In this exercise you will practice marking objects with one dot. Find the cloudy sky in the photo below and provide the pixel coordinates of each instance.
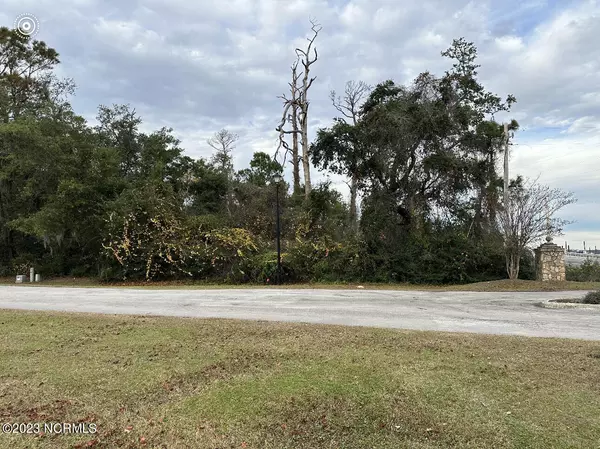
(201, 65)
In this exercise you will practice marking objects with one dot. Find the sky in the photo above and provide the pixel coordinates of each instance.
(201, 65)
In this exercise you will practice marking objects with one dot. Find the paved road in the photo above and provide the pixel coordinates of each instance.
(492, 313)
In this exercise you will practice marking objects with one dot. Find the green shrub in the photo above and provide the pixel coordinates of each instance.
(207, 222)
(587, 272)
(21, 264)
(323, 261)
(592, 298)
(219, 253)
(82, 270)
(111, 272)
(302, 257)
(262, 268)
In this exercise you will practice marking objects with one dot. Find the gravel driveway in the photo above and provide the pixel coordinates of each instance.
(514, 313)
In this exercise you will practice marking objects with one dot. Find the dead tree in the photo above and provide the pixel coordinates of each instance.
(223, 142)
(295, 109)
(349, 107)
(294, 119)
(292, 105)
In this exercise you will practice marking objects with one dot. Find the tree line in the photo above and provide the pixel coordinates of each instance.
(113, 202)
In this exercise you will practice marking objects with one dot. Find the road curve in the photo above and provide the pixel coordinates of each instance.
(509, 313)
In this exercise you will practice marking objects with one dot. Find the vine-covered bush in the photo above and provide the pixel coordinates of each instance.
(154, 241)
(219, 253)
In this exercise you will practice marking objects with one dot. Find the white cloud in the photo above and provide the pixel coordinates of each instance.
(353, 15)
(509, 43)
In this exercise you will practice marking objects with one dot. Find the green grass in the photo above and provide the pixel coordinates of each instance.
(179, 383)
(493, 286)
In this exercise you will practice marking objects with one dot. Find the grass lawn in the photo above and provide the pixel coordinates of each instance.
(491, 286)
(193, 383)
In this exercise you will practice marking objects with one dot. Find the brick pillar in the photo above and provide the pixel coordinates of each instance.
(550, 262)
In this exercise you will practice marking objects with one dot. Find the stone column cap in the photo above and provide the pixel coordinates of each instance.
(549, 246)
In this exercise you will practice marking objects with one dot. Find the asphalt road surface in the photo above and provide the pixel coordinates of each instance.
(514, 313)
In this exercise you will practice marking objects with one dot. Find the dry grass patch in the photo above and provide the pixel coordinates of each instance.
(504, 285)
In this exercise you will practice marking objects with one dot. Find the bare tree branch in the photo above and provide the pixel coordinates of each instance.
(354, 94)
(295, 110)
(307, 62)
(529, 217)
(223, 140)
(224, 143)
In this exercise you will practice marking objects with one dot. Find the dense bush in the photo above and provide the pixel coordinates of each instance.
(143, 236)
(441, 260)
(261, 268)
(152, 239)
(592, 298)
(220, 253)
(587, 272)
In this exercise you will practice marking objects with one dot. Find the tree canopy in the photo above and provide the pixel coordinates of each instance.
(115, 202)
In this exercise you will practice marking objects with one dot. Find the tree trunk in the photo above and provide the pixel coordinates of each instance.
(305, 150)
(295, 152)
(6, 245)
(512, 264)
(491, 197)
(478, 218)
(406, 216)
(5, 234)
(228, 192)
(227, 203)
(353, 195)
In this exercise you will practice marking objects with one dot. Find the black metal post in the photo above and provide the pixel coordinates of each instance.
(278, 240)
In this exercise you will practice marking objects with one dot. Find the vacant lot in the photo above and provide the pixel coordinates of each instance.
(171, 382)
